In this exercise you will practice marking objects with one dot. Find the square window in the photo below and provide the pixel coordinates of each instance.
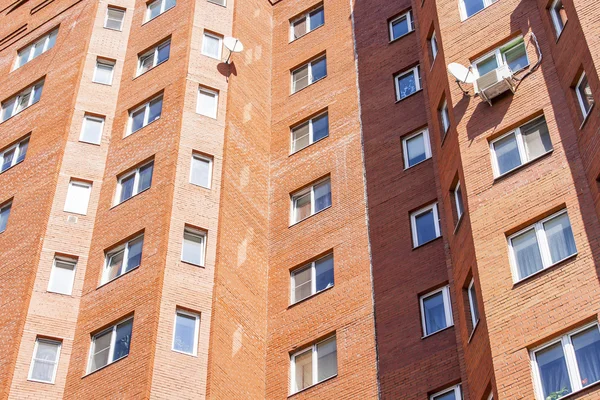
(91, 131)
(208, 101)
(309, 73)
(212, 45)
(114, 18)
(311, 200)
(194, 243)
(62, 275)
(312, 278)
(425, 225)
(417, 148)
(307, 22)
(78, 197)
(436, 311)
(584, 95)
(185, 333)
(103, 73)
(401, 25)
(44, 361)
(407, 83)
(110, 345)
(309, 132)
(559, 16)
(452, 393)
(313, 365)
(13, 154)
(123, 259)
(201, 171)
(4, 214)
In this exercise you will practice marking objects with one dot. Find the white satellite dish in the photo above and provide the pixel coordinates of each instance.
(461, 73)
(233, 45)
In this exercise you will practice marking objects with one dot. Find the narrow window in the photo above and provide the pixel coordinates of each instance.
(433, 46)
(584, 95)
(444, 116)
(78, 197)
(44, 361)
(307, 22)
(23, 100)
(521, 146)
(110, 345)
(541, 245)
(559, 16)
(134, 182)
(309, 73)
(13, 155)
(436, 311)
(194, 244)
(458, 201)
(114, 18)
(473, 307)
(103, 73)
(401, 25)
(212, 45)
(122, 259)
(157, 7)
(312, 278)
(208, 101)
(425, 225)
(154, 57)
(311, 200)
(310, 132)
(452, 393)
(143, 115)
(407, 83)
(62, 275)
(470, 7)
(91, 130)
(37, 48)
(313, 365)
(185, 333)
(4, 214)
(417, 148)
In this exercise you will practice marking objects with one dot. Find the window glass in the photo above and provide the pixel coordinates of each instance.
(553, 371)
(127, 187)
(145, 177)
(559, 16)
(207, 103)
(154, 9)
(435, 314)
(560, 238)
(473, 304)
(302, 206)
(164, 50)
(407, 84)
(515, 56)
(584, 94)
(185, 333)
(536, 138)
(4, 214)
(300, 137)
(300, 78)
(322, 196)
(211, 45)
(7, 159)
(302, 284)
(426, 227)
(78, 197)
(324, 273)
(200, 174)
(459, 201)
(317, 18)
(487, 65)
(115, 264)
(114, 19)
(446, 396)
(134, 254)
(527, 253)
(300, 27)
(193, 248)
(587, 353)
(320, 127)
(400, 27)
(101, 356)
(92, 130)
(472, 7)
(122, 340)
(319, 69)
(23, 146)
(415, 148)
(326, 359)
(45, 361)
(137, 119)
(155, 109)
(61, 276)
(304, 373)
(507, 154)
(103, 72)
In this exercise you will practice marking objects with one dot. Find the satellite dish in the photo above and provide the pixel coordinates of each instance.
(233, 45)
(461, 73)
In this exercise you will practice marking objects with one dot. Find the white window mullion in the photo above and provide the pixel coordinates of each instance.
(310, 74)
(436, 220)
(448, 306)
(313, 278)
(571, 363)
(315, 364)
(311, 139)
(521, 146)
(543, 244)
(146, 113)
(136, 182)
(111, 349)
(312, 199)
(125, 258)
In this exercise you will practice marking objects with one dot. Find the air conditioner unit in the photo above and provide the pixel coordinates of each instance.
(494, 83)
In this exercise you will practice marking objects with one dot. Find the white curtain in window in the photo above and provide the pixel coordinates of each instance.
(587, 352)
(527, 253)
(560, 238)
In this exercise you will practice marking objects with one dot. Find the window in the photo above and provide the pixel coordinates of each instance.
(143, 115)
(470, 7)
(312, 278)
(201, 170)
(436, 311)
(584, 95)
(313, 365)
(425, 225)
(37, 48)
(21, 101)
(558, 15)
(416, 148)
(307, 22)
(78, 197)
(219, 2)
(62, 275)
(407, 83)
(444, 115)
(91, 130)
(212, 45)
(452, 393)
(401, 25)
(13, 155)
(513, 54)
(123, 259)
(309, 73)
(311, 200)
(45, 360)
(4, 214)
(311, 131)
(473, 307)
(157, 7)
(110, 345)
(208, 101)
(521, 146)
(541, 245)
(194, 243)
(103, 73)
(458, 201)
(114, 18)
(433, 46)
(185, 334)
(153, 57)
(134, 182)
(567, 364)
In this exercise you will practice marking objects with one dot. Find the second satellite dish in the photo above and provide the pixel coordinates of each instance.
(233, 45)
(461, 73)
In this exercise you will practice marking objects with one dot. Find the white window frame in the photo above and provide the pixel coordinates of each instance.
(570, 359)
(315, 364)
(198, 233)
(211, 92)
(153, 51)
(163, 5)
(145, 106)
(584, 112)
(409, 21)
(463, 9)
(196, 331)
(104, 61)
(500, 56)
(311, 139)
(472, 304)
(77, 182)
(31, 91)
(311, 190)
(110, 253)
(520, 146)
(445, 117)
(311, 79)
(434, 46)
(64, 260)
(426, 142)
(417, 75)
(111, 348)
(3, 207)
(306, 15)
(17, 153)
(220, 49)
(136, 183)
(445, 290)
(456, 389)
(556, 19)
(106, 18)
(199, 156)
(35, 349)
(459, 207)
(313, 279)
(89, 117)
(542, 243)
(413, 223)
(32, 46)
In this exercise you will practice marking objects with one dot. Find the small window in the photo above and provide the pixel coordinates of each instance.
(416, 148)
(309, 132)
(470, 7)
(433, 46)
(37, 48)
(123, 259)
(103, 73)
(541, 245)
(311, 200)
(452, 393)
(157, 7)
(212, 45)
(458, 201)
(194, 244)
(584, 95)
(309, 73)
(559, 16)
(401, 25)
(154, 57)
(110, 345)
(436, 311)
(521, 146)
(208, 102)
(567, 364)
(45, 360)
(425, 225)
(185, 333)
(143, 115)
(62, 275)
(473, 307)
(407, 83)
(307, 22)
(313, 365)
(312, 278)
(23, 100)
(78, 197)
(513, 54)
(4, 214)
(13, 155)
(91, 130)
(114, 18)
(134, 182)
(201, 170)
(444, 116)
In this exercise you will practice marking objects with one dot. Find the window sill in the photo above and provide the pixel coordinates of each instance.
(117, 277)
(101, 368)
(194, 264)
(436, 332)
(311, 215)
(543, 270)
(400, 37)
(516, 169)
(102, 83)
(415, 164)
(310, 297)
(38, 381)
(92, 143)
(410, 95)
(132, 197)
(200, 186)
(184, 353)
(312, 386)
(587, 116)
(309, 85)
(309, 145)
(426, 243)
(473, 331)
(113, 29)
(59, 294)
(300, 37)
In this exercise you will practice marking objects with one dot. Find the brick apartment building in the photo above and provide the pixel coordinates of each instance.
(330, 215)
